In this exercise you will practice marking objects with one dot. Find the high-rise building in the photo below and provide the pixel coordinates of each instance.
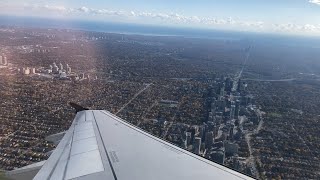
(33, 70)
(210, 125)
(237, 109)
(221, 104)
(209, 139)
(60, 66)
(26, 71)
(81, 76)
(217, 156)
(231, 148)
(68, 70)
(232, 111)
(202, 132)
(235, 163)
(188, 139)
(231, 132)
(239, 85)
(5, 61)
(222, 91)
(55, 69)
(244, 86)
(197, 145)
(63, 75)
(193, 131)
(229, 85)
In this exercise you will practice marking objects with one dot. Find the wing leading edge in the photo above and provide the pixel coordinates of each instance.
(100, 145)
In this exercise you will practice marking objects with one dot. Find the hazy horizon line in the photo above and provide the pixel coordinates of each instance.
(167, 27)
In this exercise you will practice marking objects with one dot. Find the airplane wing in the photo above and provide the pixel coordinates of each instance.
(100, 145)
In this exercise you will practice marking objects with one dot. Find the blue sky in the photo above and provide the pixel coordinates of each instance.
(282, 16)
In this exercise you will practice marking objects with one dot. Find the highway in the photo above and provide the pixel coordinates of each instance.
(271, 80)
(134, 97)
(236, 79)
(252, 160)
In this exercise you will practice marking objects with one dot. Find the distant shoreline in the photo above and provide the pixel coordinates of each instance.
(117, 28)
(147, 30)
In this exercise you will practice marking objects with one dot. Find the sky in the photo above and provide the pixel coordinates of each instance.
(275, 16)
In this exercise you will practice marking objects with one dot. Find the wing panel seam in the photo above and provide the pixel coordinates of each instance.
(105, 149)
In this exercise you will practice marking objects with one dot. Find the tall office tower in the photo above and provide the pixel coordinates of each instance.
(232, 111)
(222, 91)
(237, 109)
(55, 69)
(210, 116)
(218, 156)
(194, 131)
(202, 132)
(221, 104)
(81, 76)
(229, 85)
(243, 86)
(209, 139)
(197, 145)
(231, 132)
(5, 61)
(239, 85)
(68, 70)
(22, 70)
(33, 70)
(60, 66)
(231, 148)
(26, 71)
(188, 139)
(210, 125)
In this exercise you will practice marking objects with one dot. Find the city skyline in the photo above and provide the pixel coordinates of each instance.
(263, 16)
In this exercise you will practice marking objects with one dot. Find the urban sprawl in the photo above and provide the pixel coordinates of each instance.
(201, 95)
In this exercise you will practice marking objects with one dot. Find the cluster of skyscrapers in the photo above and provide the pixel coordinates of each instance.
(53, 69)
(219, 137)
(27, 71)
(58, 69)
